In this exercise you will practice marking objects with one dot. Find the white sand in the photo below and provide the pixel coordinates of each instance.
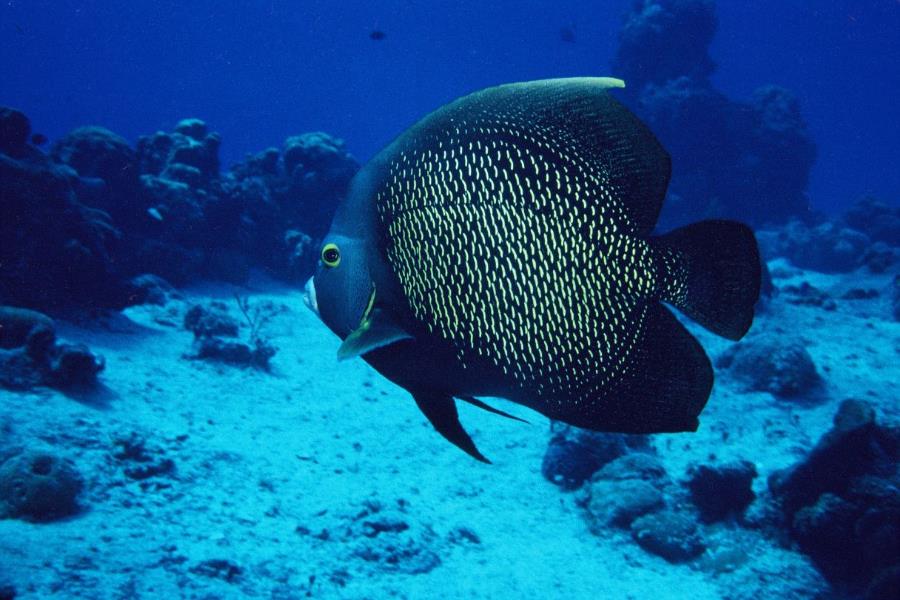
(260, 455)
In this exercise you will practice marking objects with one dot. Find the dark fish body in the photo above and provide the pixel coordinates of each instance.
(508, 253)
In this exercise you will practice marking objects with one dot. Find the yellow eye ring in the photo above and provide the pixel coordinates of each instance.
(331, 255)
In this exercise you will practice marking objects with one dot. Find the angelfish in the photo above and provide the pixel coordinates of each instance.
(502, 247)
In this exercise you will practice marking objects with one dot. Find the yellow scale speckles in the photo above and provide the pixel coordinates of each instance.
(493, 258)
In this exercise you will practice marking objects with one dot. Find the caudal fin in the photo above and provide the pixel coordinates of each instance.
(711, 272)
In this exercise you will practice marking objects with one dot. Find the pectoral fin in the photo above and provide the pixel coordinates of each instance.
(440, 409)
(376, 331)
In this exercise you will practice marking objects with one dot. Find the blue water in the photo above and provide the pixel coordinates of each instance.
(190, 432)
(257, 71)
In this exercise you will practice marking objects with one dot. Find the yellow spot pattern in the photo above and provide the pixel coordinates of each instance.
(511, 245)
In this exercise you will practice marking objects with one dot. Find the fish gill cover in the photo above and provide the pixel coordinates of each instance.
(176, 424)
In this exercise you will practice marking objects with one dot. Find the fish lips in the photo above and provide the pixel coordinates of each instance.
(309, 297)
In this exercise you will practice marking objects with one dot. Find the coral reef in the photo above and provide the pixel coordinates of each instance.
(211, 323)
(662, 40)
(867, 235)
(56, 252)
(749, 161)
(149, 289)
(78, 225)
(623, 490)
(669, 534)
(573, 454)
(826, 247)
(766, 363)
(97, 153)
(840, 503)
(14, 131)
(38, 486)
(876, 219)
(721, 490)
(30, 354)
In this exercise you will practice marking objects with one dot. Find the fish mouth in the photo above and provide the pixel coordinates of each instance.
(309, 296)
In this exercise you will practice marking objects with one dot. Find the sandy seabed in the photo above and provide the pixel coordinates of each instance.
(321, 479)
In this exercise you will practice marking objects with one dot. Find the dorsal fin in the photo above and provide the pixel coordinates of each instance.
(575, 118)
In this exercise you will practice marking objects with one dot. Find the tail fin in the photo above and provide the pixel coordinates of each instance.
(711, 272)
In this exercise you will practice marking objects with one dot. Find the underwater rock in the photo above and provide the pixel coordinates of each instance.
(729, 158)
(618, 503)
(219, 568)
(387, 538)
(210, 321)
(885, 585)
(624, 489)
(319, 169)
(149, 289)
(100, 153)
(807, 294)
(38, 486)
(73, 365)
(256, 354)
(18, 371)
(319, 154)
(720, 490)
(636, 465)
(7, 592)
(192, 128)
(574, 454)
(14, 131)
(765, 363)
(856, 445)
(746, 161)
(303, 253)
(880, 257)
(777, 157)
(664, 39)
(101, 213)
(56, 252)
(668, 534)
(876, 219)
(841, 504)
(18, 325)
(139, 461)
(827, 247)
(31, 356)
(286, 201)
(190, 154)
(787, 579)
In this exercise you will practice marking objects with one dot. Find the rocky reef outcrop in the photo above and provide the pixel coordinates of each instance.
(840, 503)
(31, 355)
(748, 160)
(38, 486)
(79, 224)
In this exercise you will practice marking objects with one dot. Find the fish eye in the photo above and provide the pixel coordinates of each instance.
(331, 255)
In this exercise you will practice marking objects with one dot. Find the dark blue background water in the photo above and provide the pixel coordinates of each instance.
(258, 71)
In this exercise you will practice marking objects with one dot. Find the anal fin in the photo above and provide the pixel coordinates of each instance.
(669, 382)
(440, 409)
